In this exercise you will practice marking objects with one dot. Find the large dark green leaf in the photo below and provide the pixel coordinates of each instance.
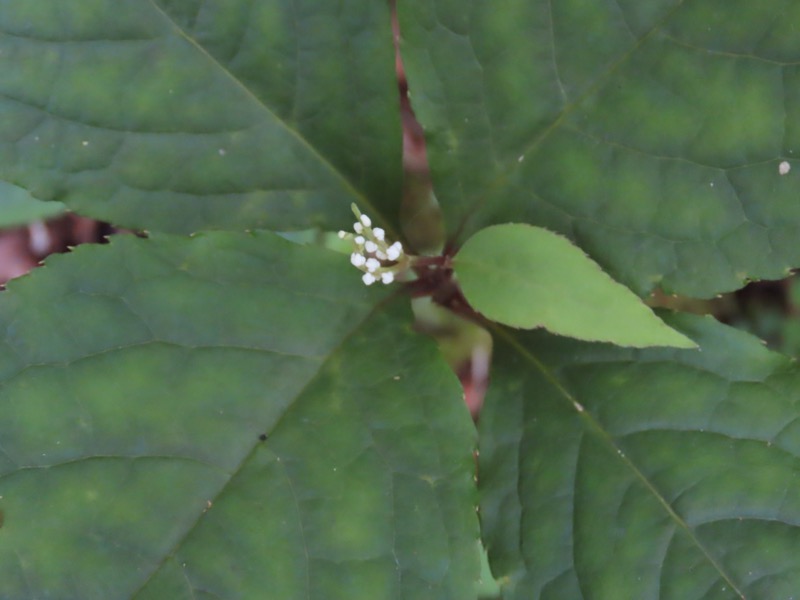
(649, 131)
(180, 115)
(136, 384)
(653, 474)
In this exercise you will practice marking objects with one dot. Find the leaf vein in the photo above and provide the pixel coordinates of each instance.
(592, 424)
(348, 185)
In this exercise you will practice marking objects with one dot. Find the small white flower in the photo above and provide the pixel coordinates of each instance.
(394, 251)
(372, 251)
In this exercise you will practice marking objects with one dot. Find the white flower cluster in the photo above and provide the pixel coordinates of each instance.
(379, 260)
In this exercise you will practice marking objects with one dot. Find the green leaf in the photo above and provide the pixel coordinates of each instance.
(17, 207)
(178, 116)
(529, 277)
(609, 473)
(649, 132)
(226, 417)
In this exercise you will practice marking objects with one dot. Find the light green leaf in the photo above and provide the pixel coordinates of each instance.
(17, 207)
(180, 115)
(651, 474)
(649, 132)
(138, 381)
(529, 277)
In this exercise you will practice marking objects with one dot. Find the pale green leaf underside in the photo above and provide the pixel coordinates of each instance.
(135, 381)
(529, 277)
(648, 474)
(648, 131)
(17, 207)
(180, 115)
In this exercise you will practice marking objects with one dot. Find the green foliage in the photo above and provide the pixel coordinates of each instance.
(133, 463)
(649, 132)
(529, 277)
(17, 207)
(174, 116)
(645, 474)
(232, 415)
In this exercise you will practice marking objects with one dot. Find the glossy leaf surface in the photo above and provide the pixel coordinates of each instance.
(650, 132)
(226, 416)
(180, 115)
(529, 277)
(651, 474)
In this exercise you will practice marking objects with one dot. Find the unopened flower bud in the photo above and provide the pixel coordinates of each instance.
(394, 251)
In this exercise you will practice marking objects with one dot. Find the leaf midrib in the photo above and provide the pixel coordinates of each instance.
(607, 438)
(500, 179)
(348, 185)
(248, 456)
